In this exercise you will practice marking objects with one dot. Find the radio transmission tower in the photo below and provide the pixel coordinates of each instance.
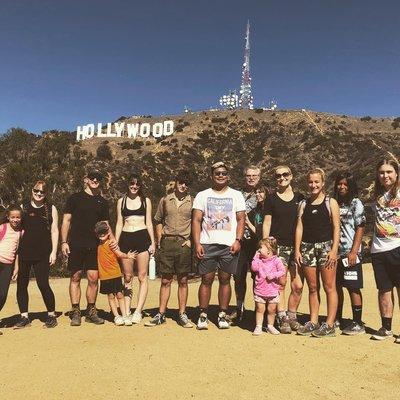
(245, 97)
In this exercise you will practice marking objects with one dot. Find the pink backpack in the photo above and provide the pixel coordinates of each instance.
(3, 231)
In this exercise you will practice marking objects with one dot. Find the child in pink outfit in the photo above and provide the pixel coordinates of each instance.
(268, 269)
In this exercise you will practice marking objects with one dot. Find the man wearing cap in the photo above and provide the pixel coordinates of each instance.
(173, 219)
(79, 244)
(249, 245)
(217, 229)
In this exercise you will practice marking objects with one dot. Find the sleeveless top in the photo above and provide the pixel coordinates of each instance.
(36, 242)
(317, 226)
(107, 262)
(127, 212)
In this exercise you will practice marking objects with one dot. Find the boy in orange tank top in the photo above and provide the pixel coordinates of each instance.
(110, 273)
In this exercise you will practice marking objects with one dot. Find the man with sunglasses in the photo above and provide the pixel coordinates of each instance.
(79, 243)
(252, 175)
(173, 219)
(217, 229)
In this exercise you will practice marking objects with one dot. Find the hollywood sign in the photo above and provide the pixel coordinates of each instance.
(121, 129)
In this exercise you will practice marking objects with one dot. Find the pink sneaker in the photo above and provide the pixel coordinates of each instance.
(257, 330)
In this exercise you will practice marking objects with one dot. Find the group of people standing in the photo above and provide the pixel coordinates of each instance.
(283, 237)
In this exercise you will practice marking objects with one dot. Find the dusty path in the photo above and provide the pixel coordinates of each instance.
(170, 362)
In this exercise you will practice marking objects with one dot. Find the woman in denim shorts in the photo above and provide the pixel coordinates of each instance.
(316, 249)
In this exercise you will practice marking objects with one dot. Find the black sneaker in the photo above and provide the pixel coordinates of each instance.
(324, 331)
(75, 316)
(382, 334)
(92, 317)
(307, 329)
(354, 329)
(51, 322)
(22, 323)
(158, 319)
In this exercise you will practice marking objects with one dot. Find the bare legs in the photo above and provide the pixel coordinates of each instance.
(117, 300)
(142, 263)
(165, 291)
(91, 290)
(224, 290)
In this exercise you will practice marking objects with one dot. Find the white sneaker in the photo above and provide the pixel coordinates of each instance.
(119, 321)
(222, 321)
(136, 318)
(202, 323)
(128, 320)
(272, 330)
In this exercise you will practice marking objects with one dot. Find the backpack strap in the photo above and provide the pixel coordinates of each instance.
(123, 204)
(328, 205)
(145, 209)
(3, 230)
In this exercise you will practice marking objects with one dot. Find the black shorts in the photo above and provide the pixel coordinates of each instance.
(247, 252)
(218, 256)
(135, 241)
(349, 277)
(386, 267)
(113, 285)
(82, 259)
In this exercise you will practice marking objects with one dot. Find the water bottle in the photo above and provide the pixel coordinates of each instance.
(152, 268)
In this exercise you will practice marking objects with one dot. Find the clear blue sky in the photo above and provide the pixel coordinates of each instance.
(65, 63)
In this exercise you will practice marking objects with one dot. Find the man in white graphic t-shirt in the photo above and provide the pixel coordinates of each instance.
(217, 229)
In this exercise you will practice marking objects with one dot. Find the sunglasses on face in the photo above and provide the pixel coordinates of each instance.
(221, 173)
(95, 178)
(134, 184)
(38, 191)
(284, 175)
(183, 183)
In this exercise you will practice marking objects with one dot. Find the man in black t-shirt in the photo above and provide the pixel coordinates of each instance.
(79, 244)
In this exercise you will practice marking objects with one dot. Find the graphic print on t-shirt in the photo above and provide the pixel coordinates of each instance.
(219, 214)
(387, 222)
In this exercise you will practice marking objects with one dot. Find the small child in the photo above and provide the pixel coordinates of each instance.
(268, 269)
(110, 273)
(10, 235)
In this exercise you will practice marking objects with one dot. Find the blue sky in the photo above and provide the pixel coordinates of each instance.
(67, 63)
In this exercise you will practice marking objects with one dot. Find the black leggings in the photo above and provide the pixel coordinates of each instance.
(42, 270)
(6, 271)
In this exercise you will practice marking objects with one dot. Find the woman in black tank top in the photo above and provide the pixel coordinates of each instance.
(316, 249)
(37, 251)
(134, 232)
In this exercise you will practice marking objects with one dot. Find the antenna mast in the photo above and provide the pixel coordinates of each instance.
(246, 97)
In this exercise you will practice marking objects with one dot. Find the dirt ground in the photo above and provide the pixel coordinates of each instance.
(170, 362)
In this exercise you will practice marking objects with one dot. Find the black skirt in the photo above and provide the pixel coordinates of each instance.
(113, 285)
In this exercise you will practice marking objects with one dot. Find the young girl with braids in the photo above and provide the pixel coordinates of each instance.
(38, 250)
(10, 235)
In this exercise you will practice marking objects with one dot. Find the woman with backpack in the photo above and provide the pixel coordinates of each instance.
(316, 248)
(37, 251)
(134, 232)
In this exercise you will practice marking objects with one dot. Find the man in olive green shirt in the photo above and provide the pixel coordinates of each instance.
(173, 219)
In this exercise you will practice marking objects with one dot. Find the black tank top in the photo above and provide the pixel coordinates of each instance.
(36, 242)
(126, 212)
(317, 226)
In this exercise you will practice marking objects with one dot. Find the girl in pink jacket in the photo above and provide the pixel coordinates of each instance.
(269, 270)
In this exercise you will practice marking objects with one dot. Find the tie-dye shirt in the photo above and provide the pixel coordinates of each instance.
(387, 223)
(351, 217)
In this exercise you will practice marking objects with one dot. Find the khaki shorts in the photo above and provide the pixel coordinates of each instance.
(173, 258)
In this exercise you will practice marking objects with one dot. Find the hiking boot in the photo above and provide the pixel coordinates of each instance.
(184, 321)
(222, 321)
(307, 329)
(284, 325)
(22, 323)
(158, 319)
(354, 329)
(272, 330)
(257, 330)
(51, 322)
(92, 317)
(324, 331)
(294, 324)
(382, 334)
(76, 317)
(118, 320)
(202, 323)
